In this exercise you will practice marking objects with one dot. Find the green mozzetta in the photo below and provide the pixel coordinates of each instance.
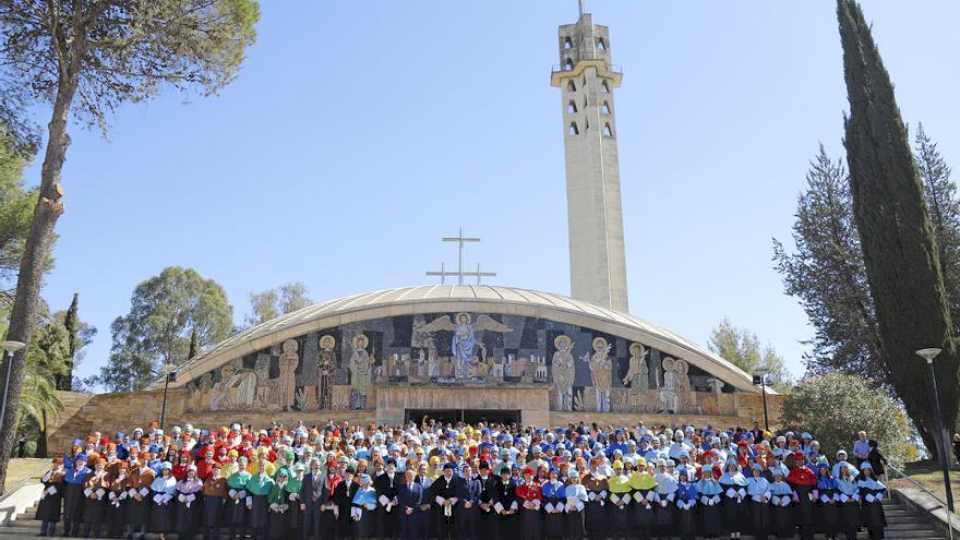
(260, 484)
(238, 480)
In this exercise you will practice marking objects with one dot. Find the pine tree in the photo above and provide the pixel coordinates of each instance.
(65, 382)
(897, 237)
(826, 274)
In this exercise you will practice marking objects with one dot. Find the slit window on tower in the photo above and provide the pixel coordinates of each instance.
(607, 132)
(571, 86)
(605, 87)
(601, 45)
(567, 43)
(572, 107)
(573, 129)
(605, 108)
(586, 125)
(568, 65)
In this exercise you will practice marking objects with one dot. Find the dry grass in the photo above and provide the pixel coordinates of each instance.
(929, 475)
(25, 470)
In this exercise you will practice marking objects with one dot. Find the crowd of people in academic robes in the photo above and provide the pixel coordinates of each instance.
(462, 482)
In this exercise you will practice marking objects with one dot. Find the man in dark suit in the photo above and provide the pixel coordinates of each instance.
(317, 502)
(409, 500)
(387, 486)
(487, 526)
(343, 497)
(444, 496)
(507, 504)
(311, 492)
(469, 515)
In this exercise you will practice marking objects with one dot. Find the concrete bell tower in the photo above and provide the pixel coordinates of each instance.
(587, 80)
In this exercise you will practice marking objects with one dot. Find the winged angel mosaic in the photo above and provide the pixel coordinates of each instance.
(464, 344)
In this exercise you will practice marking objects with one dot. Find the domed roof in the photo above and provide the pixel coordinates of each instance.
(456, 298)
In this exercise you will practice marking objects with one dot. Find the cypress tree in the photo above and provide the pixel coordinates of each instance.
(897, 237)
(70, 321)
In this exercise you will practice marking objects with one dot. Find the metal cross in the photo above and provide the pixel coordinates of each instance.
(479, 275)
(460, 239)
(443, 274)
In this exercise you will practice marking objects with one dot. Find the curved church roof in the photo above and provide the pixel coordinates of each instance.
(456, 298)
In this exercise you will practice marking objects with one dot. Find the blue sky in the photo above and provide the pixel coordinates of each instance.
(359, 132)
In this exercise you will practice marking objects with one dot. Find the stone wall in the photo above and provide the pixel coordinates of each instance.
(110, 413)
(342, 368)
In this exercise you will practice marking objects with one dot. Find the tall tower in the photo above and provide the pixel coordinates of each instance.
(586, 80)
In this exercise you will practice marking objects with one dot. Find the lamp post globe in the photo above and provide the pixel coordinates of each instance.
(12, 346)
(929, 354)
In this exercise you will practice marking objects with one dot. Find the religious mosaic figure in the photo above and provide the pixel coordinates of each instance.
(638, 376)
(360, 369)
(668, 392)
(564, 370)
(464, 343)
(326, 368)
(682, 368)
(289, 359)
(601, 373)
(433, 359)
(268, 390)
(237, 389)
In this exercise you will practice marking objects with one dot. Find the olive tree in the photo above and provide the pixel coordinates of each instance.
(835, 406)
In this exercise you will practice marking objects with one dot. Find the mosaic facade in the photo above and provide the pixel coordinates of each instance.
(341, 368)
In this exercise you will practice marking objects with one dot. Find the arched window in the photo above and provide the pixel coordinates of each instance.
(573, 129)
(605, 87)
(567, 43)
(572, 107)
(605, 108)
(601, 44)
(568, 65)
(583, 81)
(607, 132)
(571, 86)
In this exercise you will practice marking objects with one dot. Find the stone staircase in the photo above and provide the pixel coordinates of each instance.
(902, 524)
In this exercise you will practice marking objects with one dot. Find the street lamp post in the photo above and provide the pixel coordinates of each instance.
(943, 447)
(169, 375)
(9, 348)
(762, 381)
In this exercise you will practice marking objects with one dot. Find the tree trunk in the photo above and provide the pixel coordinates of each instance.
(45, 215)
(41, 451)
